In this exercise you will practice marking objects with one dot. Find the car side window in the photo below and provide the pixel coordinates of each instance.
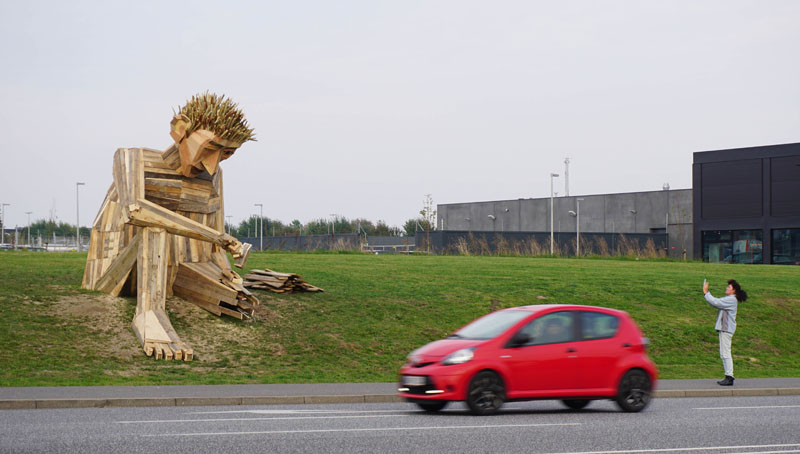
(551, 329)
(596, 325)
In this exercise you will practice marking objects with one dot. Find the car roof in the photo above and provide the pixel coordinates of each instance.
(565, 307)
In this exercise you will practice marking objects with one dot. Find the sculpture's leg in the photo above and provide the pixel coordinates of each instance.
(150, 322)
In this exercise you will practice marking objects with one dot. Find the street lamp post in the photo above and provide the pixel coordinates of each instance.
(3, 221)
(577, 214)
(29, 226)
(261, 218)
(229, 223)
(334, 216)
(552, 175)
(78, 217)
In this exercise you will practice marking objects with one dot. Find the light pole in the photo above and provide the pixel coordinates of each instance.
(3, 220)
(229, 223)
(29, 226)
(552, 175)
(78, 216)
(334, 216)
(261, 218)
(577, 214)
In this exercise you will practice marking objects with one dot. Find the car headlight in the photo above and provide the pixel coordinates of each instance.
(459, 357)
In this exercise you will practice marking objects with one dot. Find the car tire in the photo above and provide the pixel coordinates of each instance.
(432, 406)
(634, 391)
(576, 404)
(486, 393)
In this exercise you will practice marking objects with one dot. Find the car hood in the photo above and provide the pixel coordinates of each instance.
(441, 348)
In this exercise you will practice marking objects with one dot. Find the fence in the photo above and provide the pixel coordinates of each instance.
(337, 242)
(538, 243)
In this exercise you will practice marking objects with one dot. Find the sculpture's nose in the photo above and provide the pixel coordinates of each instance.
(211, 162)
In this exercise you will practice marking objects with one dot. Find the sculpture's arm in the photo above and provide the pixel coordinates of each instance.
(129, 182)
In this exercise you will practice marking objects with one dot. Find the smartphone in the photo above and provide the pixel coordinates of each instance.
(704, 282)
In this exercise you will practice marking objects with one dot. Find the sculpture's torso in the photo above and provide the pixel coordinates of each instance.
(199, 199)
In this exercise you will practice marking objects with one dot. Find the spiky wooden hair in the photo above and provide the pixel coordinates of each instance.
(218, 115)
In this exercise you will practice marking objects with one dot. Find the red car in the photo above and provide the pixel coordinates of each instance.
(572, 353)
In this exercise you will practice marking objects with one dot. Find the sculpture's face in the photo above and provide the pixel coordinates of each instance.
(201, 150)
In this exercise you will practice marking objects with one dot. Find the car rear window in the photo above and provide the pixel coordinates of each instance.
(596, 325)
(491, 325)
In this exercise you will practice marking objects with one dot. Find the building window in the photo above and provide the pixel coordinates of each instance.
(733, 246)
(786, 246)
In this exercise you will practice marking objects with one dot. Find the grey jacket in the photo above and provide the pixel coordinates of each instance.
(726, 318)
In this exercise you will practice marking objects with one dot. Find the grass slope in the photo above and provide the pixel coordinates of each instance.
(375, 310)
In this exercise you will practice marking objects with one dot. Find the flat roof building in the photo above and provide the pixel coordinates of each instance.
(747, 205)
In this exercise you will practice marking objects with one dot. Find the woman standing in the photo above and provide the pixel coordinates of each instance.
(726, 323)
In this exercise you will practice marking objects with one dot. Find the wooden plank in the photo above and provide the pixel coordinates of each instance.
(98, 220)
(231, 313)
(172, 157)
(146, 213)
(115, 276)
(203, 288)
(177, 353)
(277, 274)
(194, 299)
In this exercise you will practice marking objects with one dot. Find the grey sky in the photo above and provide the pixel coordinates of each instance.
(362, 108)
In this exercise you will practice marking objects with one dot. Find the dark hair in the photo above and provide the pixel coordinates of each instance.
(741, 295)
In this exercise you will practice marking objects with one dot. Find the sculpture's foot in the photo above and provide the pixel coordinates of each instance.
(158, 337)
(161, 350)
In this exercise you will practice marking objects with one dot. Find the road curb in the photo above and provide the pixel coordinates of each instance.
(31, 404)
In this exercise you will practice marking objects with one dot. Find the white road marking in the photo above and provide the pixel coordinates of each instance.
(768, 452)
(747, 408)
(376, 429)
(709, 448)
(279, 418)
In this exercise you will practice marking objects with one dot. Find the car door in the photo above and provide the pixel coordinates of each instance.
(598, 351)
(547, 361)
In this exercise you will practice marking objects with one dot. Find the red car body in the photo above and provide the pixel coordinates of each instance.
(587, 361)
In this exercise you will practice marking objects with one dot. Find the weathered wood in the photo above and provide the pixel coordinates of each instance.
(277, 282)
(162, 212)
(242, 261)
(115, 276)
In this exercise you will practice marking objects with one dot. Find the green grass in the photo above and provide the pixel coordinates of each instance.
(375, 309)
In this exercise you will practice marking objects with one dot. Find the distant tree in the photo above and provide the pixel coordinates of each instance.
(428, 213)
(295, 227)
(317, 227)
(413, 225)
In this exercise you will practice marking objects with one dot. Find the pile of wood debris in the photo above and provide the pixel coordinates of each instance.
(276, 282)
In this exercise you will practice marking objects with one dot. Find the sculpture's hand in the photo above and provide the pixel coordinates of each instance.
(232, 245)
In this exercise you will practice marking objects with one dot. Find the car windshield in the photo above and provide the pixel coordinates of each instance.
(491, 325)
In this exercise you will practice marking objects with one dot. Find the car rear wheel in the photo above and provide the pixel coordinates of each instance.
(634, 391)
(576, 404)
(432, 406)
(486, 393)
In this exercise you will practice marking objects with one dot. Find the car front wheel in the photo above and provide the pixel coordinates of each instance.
(432, 406)
(634, 391)
(486, 393)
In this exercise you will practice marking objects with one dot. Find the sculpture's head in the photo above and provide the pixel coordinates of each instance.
(208, 130)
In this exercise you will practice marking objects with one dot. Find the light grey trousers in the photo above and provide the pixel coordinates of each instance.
(725, 352)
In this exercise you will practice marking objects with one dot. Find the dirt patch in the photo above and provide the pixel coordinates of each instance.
(212, 338)
(105, 315)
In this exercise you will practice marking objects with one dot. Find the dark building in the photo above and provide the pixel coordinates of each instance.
(747, 205)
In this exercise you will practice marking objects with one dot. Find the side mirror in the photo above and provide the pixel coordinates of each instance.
(519, 340)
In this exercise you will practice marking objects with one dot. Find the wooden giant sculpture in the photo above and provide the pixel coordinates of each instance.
(161, 229)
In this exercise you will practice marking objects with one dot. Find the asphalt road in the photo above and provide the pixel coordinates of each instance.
(767, 424)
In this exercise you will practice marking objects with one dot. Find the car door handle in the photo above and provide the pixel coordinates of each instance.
(626, 345)
(571, 350)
